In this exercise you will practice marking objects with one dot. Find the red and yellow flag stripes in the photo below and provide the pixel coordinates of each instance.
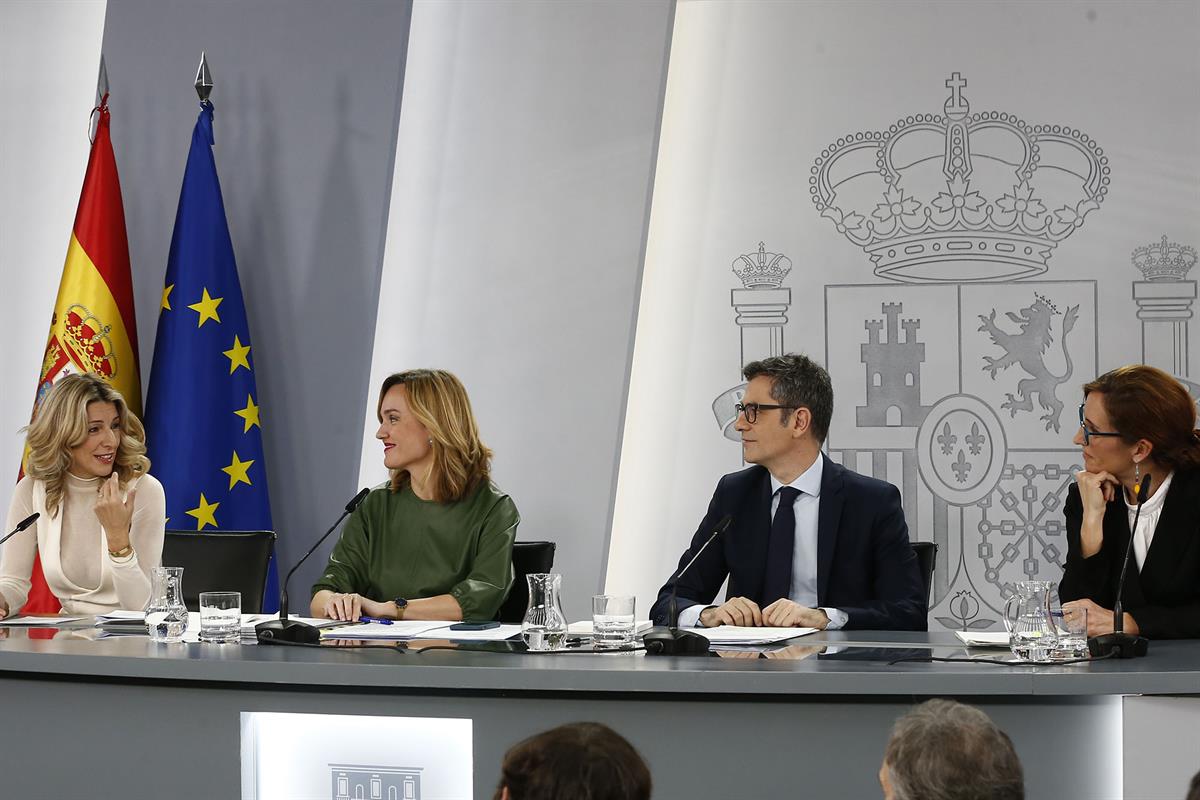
(93, 328)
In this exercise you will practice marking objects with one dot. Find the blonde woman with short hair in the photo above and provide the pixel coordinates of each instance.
(102, 514)
(435, 542)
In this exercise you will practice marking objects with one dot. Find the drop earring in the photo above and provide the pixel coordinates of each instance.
(1137, 479)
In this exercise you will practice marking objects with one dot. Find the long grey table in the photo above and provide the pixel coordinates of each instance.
(709, 726)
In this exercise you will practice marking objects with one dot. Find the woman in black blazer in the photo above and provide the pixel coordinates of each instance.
(1137, 423)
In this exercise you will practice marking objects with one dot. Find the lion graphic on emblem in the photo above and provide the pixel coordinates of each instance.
(1028, 348)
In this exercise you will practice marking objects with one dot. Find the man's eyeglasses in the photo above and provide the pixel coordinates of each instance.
(1088, 434)
(751, 410)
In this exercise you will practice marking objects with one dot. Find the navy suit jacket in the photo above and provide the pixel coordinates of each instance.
(865, 564)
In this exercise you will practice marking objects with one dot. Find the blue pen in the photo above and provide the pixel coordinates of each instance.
(375, 619)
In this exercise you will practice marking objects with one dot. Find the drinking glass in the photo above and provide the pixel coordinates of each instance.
(1071, 639)
(221, 617)
(612, 621)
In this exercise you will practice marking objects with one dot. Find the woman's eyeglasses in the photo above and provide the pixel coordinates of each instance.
(1088, 433)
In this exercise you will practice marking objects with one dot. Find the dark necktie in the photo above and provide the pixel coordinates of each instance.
(778, 582)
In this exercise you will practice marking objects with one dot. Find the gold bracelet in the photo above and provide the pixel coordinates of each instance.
(127, 550)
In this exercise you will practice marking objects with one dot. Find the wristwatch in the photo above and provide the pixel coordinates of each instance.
(401, 604)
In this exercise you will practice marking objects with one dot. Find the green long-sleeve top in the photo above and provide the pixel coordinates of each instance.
(398, 545)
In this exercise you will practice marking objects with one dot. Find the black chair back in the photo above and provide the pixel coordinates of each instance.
(529, 558)
(218, 561)
(926, 557)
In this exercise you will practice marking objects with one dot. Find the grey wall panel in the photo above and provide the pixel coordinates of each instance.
(307, 100)
(525, 155)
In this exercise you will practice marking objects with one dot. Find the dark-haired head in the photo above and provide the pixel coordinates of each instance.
(798, 382)
(1153, 413)
(582, 760)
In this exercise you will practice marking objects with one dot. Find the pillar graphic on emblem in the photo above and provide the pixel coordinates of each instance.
(761, 305)
(1164, 304)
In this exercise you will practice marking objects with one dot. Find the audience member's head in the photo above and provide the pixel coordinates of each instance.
(583, 760)
(1194, 788)
(943, 750)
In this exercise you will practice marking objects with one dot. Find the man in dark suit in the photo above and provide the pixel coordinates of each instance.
(810, 544)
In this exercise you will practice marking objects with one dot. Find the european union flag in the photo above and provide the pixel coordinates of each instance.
(202, 414)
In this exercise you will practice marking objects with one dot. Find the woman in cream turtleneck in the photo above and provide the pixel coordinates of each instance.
(102, 515)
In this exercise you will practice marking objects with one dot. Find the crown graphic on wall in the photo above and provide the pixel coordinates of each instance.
(762, 268)
(1164, 261)
(960, 196)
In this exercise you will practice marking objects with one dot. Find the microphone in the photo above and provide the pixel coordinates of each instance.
(669, 640)
(22, 525)
(284, 630)
(1119, 644)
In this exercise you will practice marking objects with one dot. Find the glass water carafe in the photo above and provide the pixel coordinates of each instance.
(545, 625)
(166, 614)
(1031, 632)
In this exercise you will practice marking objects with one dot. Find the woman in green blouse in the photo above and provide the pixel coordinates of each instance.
(436, 541)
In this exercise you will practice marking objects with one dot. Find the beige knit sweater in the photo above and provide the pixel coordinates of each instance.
(74, 551)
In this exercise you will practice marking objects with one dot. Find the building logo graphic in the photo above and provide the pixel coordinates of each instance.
(371, 782)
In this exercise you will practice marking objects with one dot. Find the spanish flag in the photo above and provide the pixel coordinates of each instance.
(93, 328)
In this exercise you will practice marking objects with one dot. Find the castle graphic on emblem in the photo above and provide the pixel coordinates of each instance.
(761, 305)
(371, 782)
(1164, 300)
(960, 196)
(893, 371)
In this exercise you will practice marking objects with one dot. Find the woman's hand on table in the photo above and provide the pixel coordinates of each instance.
(1099, 619)
(346, 606)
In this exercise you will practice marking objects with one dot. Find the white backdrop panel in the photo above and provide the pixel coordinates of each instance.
(783, 125)
(49, 57)
(514, 242)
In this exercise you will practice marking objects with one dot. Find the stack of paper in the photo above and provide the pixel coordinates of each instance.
(983, 638)
(584, 628)
(413, 629)
(122, 623)
(732, 634)
(394, 629)
(37, 621)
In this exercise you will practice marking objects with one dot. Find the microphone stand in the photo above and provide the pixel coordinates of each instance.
(670, 640)
(22, 525)
(1119, 644)
(292, 631)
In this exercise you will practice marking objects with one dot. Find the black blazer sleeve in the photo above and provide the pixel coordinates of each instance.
(1094, 577)
(702, 582)
(898, 592)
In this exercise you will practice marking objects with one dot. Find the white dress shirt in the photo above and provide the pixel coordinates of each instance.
(804, 551)
(1148, 521)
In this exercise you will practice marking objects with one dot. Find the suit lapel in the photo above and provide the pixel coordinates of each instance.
(829, 516)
